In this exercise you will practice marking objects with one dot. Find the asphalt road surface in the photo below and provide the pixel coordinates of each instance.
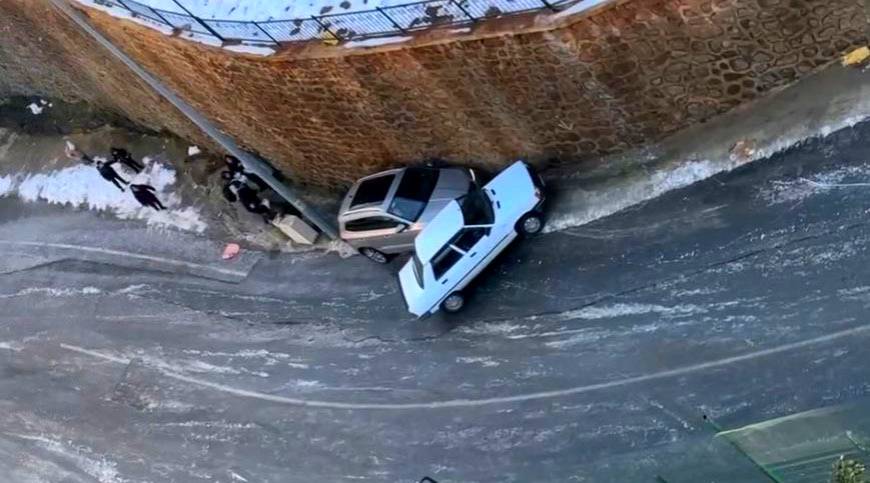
(589, 354)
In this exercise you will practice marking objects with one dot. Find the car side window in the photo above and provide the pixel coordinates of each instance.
(371, 223)
(469, 237)
(444, 261)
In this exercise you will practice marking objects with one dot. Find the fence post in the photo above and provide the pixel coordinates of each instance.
(395, 24)
(267, 33)
(549, 5)
(209, 29)
(460, 7)
(155, 12)
(324, 27)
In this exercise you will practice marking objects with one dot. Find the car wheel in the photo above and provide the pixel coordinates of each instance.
(374, 255)
(531, 224)
(453, 303)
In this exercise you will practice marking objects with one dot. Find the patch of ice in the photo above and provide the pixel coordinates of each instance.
(609, 201)
(792, 191)
(484, 361)
(375, 42)
(580, 6)
(97, 467)
(35, 109)
(54, 292)
(6, 184)
(82, 186)
(9, 347)
(623, 310)
(193, 366)
(251, 49)
(193, 150)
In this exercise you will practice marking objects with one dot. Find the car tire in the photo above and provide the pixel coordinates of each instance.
(374, 255)
(530, 224)
(453, 303)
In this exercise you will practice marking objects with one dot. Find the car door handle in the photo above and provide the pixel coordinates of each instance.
(473, 254)
(445, 281)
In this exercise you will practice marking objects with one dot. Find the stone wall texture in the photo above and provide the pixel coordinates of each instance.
(626, 74)
(42, 53)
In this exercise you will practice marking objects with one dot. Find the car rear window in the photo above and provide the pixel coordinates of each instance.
(413, 193)
(372, 190)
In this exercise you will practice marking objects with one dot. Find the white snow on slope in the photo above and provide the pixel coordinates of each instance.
(630, 191)
(82, 186)
(606, 202)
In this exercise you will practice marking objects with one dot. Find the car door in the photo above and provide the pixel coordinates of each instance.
(401, 240)
(478, 243)
(449, 266)
(373, 231)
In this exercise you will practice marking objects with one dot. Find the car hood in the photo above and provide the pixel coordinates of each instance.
(440, 229)
(514, 189)
(411, 291)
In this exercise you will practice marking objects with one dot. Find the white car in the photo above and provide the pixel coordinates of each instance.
(468, 233)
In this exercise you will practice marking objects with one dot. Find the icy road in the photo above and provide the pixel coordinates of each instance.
(588, 354)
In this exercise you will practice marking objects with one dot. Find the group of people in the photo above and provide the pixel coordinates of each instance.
(246, 188)
(144, 194)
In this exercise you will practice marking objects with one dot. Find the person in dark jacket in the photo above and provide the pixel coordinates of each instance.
(124, 157)
(145, 196)
(233, 164)
(250, 199)
(109, 174)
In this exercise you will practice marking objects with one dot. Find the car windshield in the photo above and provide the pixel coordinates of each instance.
(413, 193)
(476, 208)
(418, 270)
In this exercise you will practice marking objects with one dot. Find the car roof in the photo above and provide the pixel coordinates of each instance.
(439, 231)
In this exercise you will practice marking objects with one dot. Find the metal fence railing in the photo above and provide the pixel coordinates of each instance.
(361, 25)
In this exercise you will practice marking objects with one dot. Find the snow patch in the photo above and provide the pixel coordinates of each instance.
(251, 49)
(580, 6)
(622, 310)
(100, 468)
(82, 186)
(6, 184)
(609, 201)
(8, 346)
(617, 197)
(54, 292)
(193, 150)
(798, 190)
(484, 361)
(377, 41)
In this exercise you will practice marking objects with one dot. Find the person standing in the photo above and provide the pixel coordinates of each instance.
(109, 174)
(144, 194)
(124, 157)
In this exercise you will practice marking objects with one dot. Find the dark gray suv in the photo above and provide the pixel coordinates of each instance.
(383, 213)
